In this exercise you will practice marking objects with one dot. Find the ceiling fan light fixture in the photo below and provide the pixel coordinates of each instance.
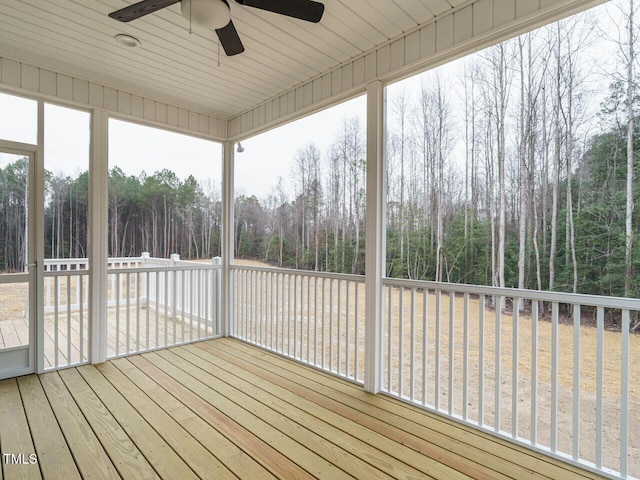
(127, 40)
(212, 14)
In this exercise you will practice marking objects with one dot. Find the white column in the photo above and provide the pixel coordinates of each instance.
(36, 242)
(227, 239)
(98, 246)
(375, 236)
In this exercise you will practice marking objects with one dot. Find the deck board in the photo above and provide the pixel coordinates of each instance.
(125, 455)
(224, 409)
(91, 459)
(54, 457)
(15, 436)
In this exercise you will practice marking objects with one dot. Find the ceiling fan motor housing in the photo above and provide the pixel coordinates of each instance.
(211, 14)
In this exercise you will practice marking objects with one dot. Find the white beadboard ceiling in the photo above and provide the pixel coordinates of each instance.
(76, 37)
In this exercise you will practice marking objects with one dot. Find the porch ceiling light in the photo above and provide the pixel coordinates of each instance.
(240, 148)
(127, 40)
(211, 14)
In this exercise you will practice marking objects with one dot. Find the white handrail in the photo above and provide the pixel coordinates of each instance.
(453, 349)
(151, 303)
(314, 317)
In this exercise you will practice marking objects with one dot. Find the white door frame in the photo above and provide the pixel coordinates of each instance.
(21, 360)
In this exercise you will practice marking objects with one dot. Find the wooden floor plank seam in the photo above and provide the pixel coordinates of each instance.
(88, 453)
(413, 457)
(118, 445)
(407, 440)
(144, 436)
(298, 451)
(15, 433)
(51, 446)
(225, 409)
(360, 437)
(164, 399)
(311, 376)
(252, 445)
(182, 442)
(539, 462)
(381, 463)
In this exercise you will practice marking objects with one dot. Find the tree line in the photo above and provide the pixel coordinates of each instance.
(508, 169)
(158, 213)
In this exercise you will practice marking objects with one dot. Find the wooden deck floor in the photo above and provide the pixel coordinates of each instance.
(223, 409)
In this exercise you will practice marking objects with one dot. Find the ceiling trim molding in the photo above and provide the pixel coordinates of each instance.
(469, 27)
(29, 80)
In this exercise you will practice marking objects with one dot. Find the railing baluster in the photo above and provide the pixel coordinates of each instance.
(315, 321)
(137, 303)
(356, 360)
(534, 372)
(465, 358)
(389, 362)
(400, 341)
(576, 381)
(297, 304)
(515, 305)
(289, 315)
(554, 378)
(157, 329)
(481, 320)
(324, 322)
(148, 307)
(56, 302)
(497, 362)
(331, 325)
(412, 347)
(300, 320)
(452, 345)
(81, 315)
(116, 283)
(624, 393)
(68, 319)
(339, 333)
(438, 353)
(128, 317)
(599, 386)
(425, 345)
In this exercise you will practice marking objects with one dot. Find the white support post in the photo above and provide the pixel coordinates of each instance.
(36, 243)
(227, 239)
(98, 250)
(375, 236)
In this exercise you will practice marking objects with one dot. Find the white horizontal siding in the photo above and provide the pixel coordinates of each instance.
(460, 30)
(27, 79)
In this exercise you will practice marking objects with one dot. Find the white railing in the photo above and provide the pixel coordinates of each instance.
(152, 303)
(316, 318)
(542, 378)
(75, 268)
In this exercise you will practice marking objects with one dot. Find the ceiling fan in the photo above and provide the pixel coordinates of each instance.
(216, 14)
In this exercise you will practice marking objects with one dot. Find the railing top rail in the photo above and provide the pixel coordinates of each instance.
(308, 273)
(68, 273)
(164, 268)
(539, 295)
(85, 259)
(63, 261)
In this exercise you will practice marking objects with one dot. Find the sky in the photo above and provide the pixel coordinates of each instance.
(270, 155)
(266, 156)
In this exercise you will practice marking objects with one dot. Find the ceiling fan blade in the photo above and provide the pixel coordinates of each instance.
(230, 40)
(303, 9)
(140, 9)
